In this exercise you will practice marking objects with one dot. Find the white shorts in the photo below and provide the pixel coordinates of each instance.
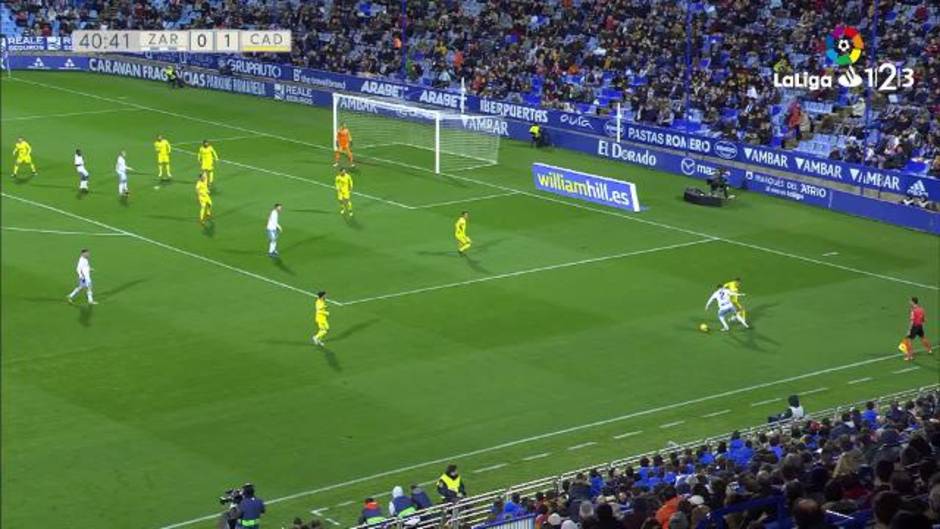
(84, 283)
(272, 235)
(726, 311)
(82, 172)
(122, 178)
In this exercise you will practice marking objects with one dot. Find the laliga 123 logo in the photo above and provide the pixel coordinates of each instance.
(844, 48)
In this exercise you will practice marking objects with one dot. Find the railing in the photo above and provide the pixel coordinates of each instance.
(477, 509)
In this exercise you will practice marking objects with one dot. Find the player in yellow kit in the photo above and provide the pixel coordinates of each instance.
(321, 317)
(162, 148)
(205, 201)
(344, 186)
(207, 158)
(24, 156)
(735, 287)
(460, 232)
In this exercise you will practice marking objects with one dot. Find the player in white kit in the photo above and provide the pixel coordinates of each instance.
(83, 269)
(274, 229)
(725, 307)
(82, 172)
(121, 168)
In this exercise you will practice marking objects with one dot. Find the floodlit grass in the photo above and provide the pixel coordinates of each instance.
(566, 324)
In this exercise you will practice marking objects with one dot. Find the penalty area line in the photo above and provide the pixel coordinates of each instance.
(162, 245)
(527, 271)
(64, 232)
(491, 185)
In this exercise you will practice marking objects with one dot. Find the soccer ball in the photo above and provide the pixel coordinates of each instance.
(844, 45)
(703, 327)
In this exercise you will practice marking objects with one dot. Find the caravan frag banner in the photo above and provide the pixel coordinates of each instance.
(585, 186)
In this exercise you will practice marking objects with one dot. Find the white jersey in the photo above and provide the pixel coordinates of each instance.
(723, 297)
(80, 166)
(83, 268)
(273, 220)
(120, 167)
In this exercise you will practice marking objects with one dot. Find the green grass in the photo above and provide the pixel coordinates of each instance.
(195, 372)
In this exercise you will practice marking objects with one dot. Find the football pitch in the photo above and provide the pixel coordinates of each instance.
(568, 336)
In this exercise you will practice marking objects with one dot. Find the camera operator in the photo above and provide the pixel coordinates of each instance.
(718, 184)
(250, 509)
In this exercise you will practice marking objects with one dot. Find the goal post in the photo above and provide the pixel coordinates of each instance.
(411, 135)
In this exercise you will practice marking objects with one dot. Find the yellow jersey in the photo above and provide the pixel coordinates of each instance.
(344, 184)
(322, 313)
(162, 147)
(207, 156)
(22, 149)
(460, 228)
(202, 190)
(733, 286)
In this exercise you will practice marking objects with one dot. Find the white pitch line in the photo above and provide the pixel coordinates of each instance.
(212, 140)
(162, 245)
(302, 179)
(345, 503)
(547, 435)
(906, 370)
(671, 424)
(465, 200)
(70, 114)
(535, 195)
(490, 468)
(628, 434)
(525, 272)
(810, 392)
(332, 521)
(537, 456)
(582, 445)
(830, 254)
(539, 197)
(764, 402)
(715, 414)
(62, 232)
(859, 380)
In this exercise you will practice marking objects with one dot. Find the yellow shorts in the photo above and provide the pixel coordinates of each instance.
(206, 166)
(163, 158)
(342, 196)
(323, 324)
(24, 160)
(205, 201)
(463, 240)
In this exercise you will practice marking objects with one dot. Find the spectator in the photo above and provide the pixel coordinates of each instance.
(670, 505)
(371, 512)
(807, 514)
(419, 497)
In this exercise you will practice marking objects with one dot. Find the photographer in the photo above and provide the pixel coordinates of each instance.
(250, 509)
(173, 77)
(718, 184)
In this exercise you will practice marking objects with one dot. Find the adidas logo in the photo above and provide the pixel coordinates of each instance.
(918, 189)
(38, 64)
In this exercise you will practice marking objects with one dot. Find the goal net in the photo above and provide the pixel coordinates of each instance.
(403, 134)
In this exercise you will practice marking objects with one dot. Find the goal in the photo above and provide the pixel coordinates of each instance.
(414, 136)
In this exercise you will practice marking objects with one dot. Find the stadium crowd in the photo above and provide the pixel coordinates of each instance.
(880, 464)
(883, 460)
(588, 55)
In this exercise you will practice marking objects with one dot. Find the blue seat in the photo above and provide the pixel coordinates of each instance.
(918, 168)
(532, 99)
